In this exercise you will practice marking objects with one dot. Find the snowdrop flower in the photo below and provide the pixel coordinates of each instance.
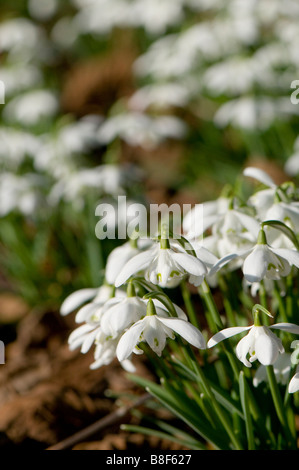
(292, 164)
(118, 258)
(16, 145)
(235, 76)
(294, 382)
(275, 202)
(83, 337)
(19, 76)
(202, 216)
(136, 129)
(235, 231)
(232, 230)
(106, 319)
(57, 149)
(159, 96)
(165, 267)
(267, 285)
(22, 194)
(101, 16)
(42, 10)
(155, 16)
(120, 315)
(260, 342)
(64, 32)
(30, 107)
(90, 333)
(98, 296)
(19, 34)
(259, 175)
(281, 368)
(268, 262)
(105, 353)
(76, 299)
(155, 329)
(72, 185)
(91, 316)
(249, 113)
(262, 261)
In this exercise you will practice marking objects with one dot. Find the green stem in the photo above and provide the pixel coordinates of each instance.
(246, 409)
(206, 295)
(290, 297)
(227, 302)
(263, 301)
(282, 309)
(221, 415)
(216, 324)
(189, 304)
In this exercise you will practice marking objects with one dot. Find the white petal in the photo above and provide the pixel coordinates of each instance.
(185, 329)
(294, 383)
(117, 259)
(290, 327)
(292, 256)
(292, 165)
(266, 349)
(222, 262)
(80, 331)
(180, 313)
(208, 258)
(251, 224)
(89, 340)
(190, 264)
(243, 348)
(259, 175)
(73, 301)
(162, 310)
(256, 264)
(260, 376)
(86, 312)
(154, 335)
(128, 366)
(226, 333)
(119, 317)
(129, 340)
(133, 266)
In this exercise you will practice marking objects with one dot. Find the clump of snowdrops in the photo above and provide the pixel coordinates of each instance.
(215, 311)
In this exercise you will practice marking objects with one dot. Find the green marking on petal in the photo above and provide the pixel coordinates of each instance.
(174, 273)
(271, 265)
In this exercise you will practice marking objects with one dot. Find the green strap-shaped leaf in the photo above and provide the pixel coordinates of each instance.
(163, 435)
(246, 409)
(278, 225)
(185, 409)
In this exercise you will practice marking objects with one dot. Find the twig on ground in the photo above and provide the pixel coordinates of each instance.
(99, 425)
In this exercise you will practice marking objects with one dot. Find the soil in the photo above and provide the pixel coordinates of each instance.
(49, 394)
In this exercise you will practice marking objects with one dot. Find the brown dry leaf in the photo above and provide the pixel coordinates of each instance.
(12, 308)
(47, 392)
(95, 85)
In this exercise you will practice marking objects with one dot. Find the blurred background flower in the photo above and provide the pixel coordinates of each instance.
(158, 100)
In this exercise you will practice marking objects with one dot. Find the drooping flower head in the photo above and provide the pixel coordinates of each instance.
(294, 382)
(164, 264)
(154, 329)
(259, 344)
